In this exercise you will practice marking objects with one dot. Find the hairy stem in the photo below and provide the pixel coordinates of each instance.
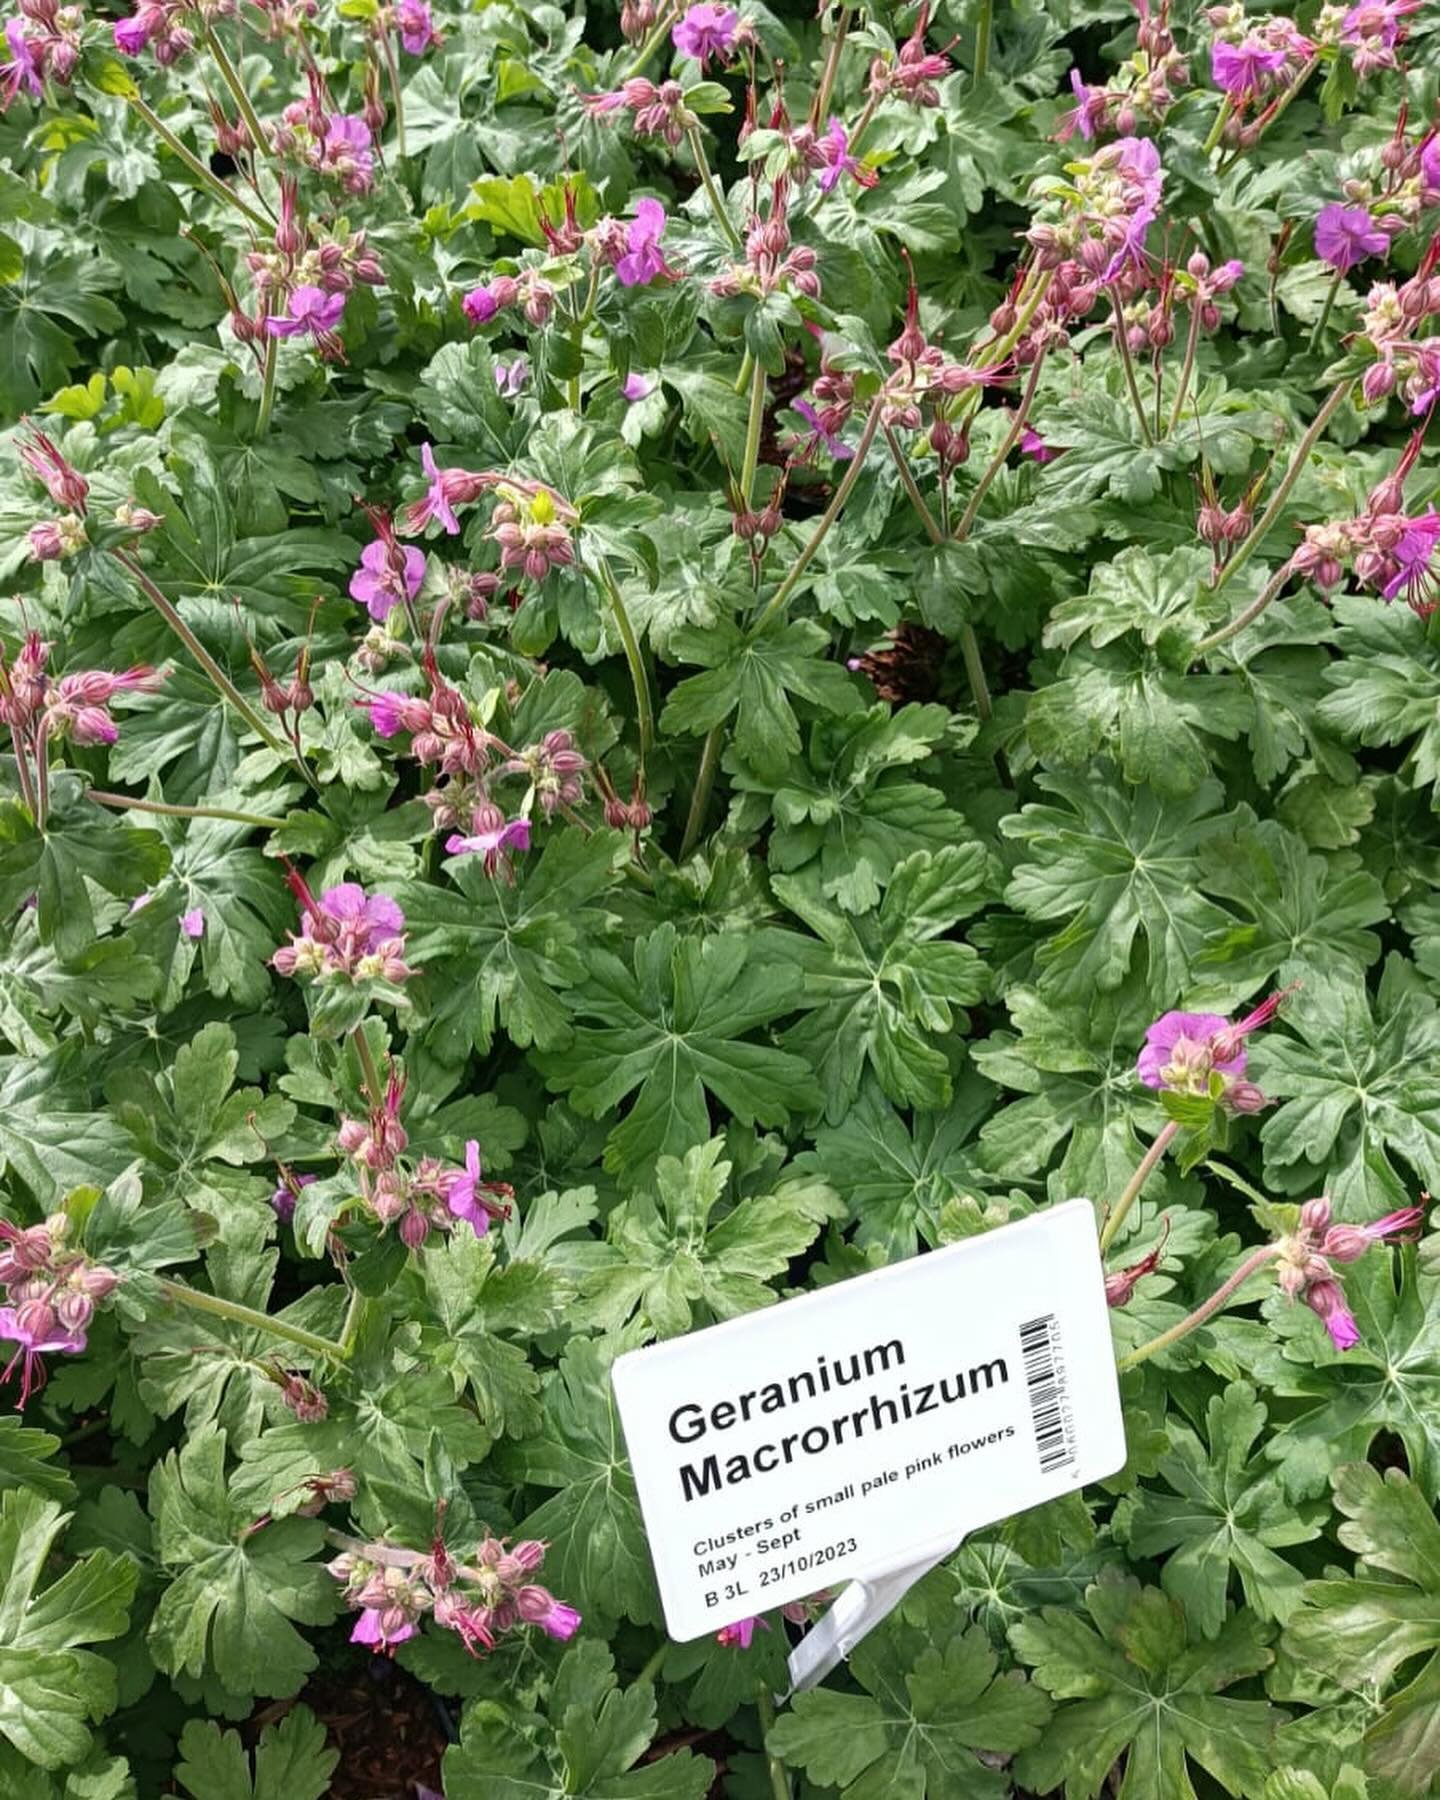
(182, 1295)
(1127, 363)
(231, 77)
(1251, 613)
(712, 192)
(651, 44)
(758, 390)
(392, 71)
(912, 487)
(1257, 1259)
(369, 1074)
(997, 461)
(984, 24)
(1222, 118)
(1148, 1164)
(1331, 295)
(704, 782)
(222, 683)
(779, 1780)
(634, 656)
(354, 1319)
(1192, 339)
(211, 183)
(821, 103)
(261, 821)
(975, 672)
(267, 386)
(827, 518)
(1252, 543)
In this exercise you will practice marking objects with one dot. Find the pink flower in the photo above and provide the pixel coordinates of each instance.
(838, 160)
(1371, 31)
(1032, 444)
(192, 923)
(360, 917)
(417, 28)
(1326, 1299)
(67, 487)
(346, 152)
(133, 34)
(467, 1197)
(510, 378)
(738, 1636)
(391, 712)
(1087, 117)
(1245, 69)
(636, 387)
(377, 586)
(482, 303)
(312, 311)
(833, 445)
(1346, 235)
(492, 840)
(22, 70)
(704, 31)
(448, 488)
(37, 1331)
(642, 260)
(381, 1629)
(1178, 1052)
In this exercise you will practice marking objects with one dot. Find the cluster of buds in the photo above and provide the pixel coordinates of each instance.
(420, 1197)
(527, 290)
(299, 1396)
(923, 376)
(637, 20)
(1203, 1054)
(531, 528)
(800, 151)
(1390, 550)
(1220, 526)
(481, 1600)
(339, 147)
(623, 815)
(1101, 213)
(1306, 1259)
(44, 45)
(655, 111)
(51, 539)
(771, 261)
(37, 707)
(159, 27)
(345, 935)
(1141, 89)
(912, 75)
(1253, 63)
(301, 283)
(740, 1634)
(51, 1291)
(1371, 32)
(1404, 362)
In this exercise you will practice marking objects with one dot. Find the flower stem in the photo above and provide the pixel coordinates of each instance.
(975, 672)
(369, 1074)
(984, 21)
(230, 76)
(392, 70)
(644, 713)
(912, 488)
(1192, 339)
(651, 45)
(221, 681)
(997, 461)
(821, 103)
(652, 1662)
(1331, 295)
(1148, 1164)
(267, 387)
(779, 1780)
(1222, 118)
(182, 1295)
(1247, 549)
(700, 799)
(354, 1319)
(211, 183)
(1250, 614)
(758, 391)
(1257, 1259)
(827, 518)
(712, 193)
(1127, 363)
(261, 821)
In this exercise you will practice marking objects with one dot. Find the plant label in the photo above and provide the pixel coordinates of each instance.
(860, 1428)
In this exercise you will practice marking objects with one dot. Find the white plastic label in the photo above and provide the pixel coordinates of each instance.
(859, 1428)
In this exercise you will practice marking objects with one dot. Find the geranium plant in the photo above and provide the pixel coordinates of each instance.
(652, 657)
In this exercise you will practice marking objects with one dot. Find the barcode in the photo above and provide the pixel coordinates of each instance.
(1045, 1380)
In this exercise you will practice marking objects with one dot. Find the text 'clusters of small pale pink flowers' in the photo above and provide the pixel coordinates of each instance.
(346, 935)
(51, 1290)
(1308, 1255)
(481, 1599)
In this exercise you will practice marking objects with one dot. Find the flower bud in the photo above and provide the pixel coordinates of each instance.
(1345, 1243)
(1377, 382)
(303, 1399)
(414, 1229)
(74, 1309)
(1315, 1215)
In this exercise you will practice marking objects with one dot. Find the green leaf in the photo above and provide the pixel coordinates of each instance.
(1361, 1632)
(1139, 591)
(598, 1558)
(1104, 454)
(50, 1690)
(1228, 1511)
(914, 1732)
(25, 1454)
(291, 1761)
(79, 845)
(231, 1596)
(1131, 1684)
(1118, 867)
(880, 989)
(671, 1024)
(1386, 688)
(664, 1255)
(753, 678)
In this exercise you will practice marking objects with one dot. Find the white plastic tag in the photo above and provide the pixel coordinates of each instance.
(856, 1431)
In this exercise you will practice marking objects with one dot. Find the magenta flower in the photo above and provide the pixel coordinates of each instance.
(704, 31)
(192, 923)
(37, 1332)
(636, 387)
(312, 312)
(838, 161)
(345, 932)
(22, 70)
(282, 1201)
(1346, 235)
(482, 303)
(1032, 444)
(1245, 69)
(1178, 1051)
(833, 445)
(1411, 555)
(133, 34)
(358, 916)
(1372, 30)
(417, 28)
(468, 1197)
(492, 841)
(1087, 116)
(346, 151)
(559, 1621)
(448, 488)
(739, 1635)
(377, 586)
(642, 260)
(1326, 1299)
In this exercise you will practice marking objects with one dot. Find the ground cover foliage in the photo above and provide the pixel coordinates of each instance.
(652, 658)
